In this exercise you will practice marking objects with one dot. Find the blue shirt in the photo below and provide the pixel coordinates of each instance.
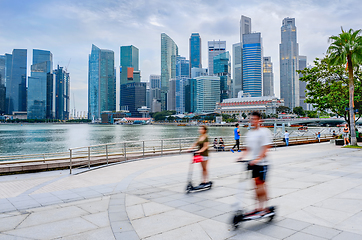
(236, 134)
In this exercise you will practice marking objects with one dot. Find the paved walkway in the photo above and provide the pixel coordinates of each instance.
(317, 188)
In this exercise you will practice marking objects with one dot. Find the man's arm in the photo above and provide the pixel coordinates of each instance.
(262, 155)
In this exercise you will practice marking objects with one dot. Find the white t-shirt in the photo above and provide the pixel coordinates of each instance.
(255, 140)
(286, 135)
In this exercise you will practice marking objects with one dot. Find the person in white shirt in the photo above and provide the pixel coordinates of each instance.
(286, 137)
(258, 140)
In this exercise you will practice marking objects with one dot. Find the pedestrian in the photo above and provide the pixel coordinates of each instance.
(286, 137)
(319, 136)
(221, 144)
(202, 144)
(346, 134)
(258, 140)
(215, 144)
(334, 134)
(236, 137)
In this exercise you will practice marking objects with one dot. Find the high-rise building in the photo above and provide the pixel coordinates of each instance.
(171, 95)
(197, 72)
(268, 77)
(289, 61)
(252, 64)
(40, 97)
(169, 52)
(222, 70)
(16, 72)
(237, 69)
(62, 93)
(207, 93)
(2, 84)
(245, 26)
(190, 95)
(215, 48)
(182, 74)
(302, 85)
(134, 97)
(195, 52)
(155, 91)
(101, 95)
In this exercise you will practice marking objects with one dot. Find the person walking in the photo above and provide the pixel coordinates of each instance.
(258, 140)
(286, 137)
(236, 137)
(202, 144)
(346, 134)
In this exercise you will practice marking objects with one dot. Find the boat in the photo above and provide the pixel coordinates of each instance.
(181, 124)
(303, 128)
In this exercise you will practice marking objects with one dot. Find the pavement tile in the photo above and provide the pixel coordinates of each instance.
(276, 231)
(293, 224)
(303, 236)
(176, 203)
(208, 213)
(347, 235)
(10, 237)
(11, 222)
(130, 235)
(100, 219)
(152, 208)
(321, 231)
(249, 235)
(101, 233)
(118, 216)
(95, 206)
(134, 200)
(121, 226)
(191, 208)
(135, 212)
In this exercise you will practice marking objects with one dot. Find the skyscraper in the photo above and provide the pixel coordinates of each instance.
(207, 93)
(289, 61)
(169, 52)
(2, 84)
(195, 51)
(268, 77)
(16, 72)
(155, 91)
(62, 93)
(191, 95)
(302, 85)
(252, 64)
(245, 26)
(40, 97)
(182, 74)
(134, 97)
(215, 48)
(222, 70)
(101, 95)
(237, 69)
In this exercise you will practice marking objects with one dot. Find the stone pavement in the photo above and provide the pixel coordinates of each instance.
(316, 187)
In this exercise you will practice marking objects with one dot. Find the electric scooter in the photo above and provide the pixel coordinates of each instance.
(191, 188)
(240, 215)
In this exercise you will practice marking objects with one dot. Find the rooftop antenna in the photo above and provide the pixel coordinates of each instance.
(66, 68)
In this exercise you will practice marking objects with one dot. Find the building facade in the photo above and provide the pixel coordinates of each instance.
(302, 85)
(169, 52)
(215, 48)
(190, 90)
(195, 52)
(197, 72)
(182, 74)
(2, 84)
(268, 77)
(207, 93)
(289, 61)
(134, 97)
(237, 69)
(16, 78)
(155, 91)
(222, 70)
(252, 64)
(245, 26)
(101, 95)
(62, 93)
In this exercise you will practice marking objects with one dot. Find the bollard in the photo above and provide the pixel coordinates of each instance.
(125, 151)
(88, 157)
(107, 153)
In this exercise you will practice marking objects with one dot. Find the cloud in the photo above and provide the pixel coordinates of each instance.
(68, 28)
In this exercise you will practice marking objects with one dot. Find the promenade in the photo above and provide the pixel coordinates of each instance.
(317, 189)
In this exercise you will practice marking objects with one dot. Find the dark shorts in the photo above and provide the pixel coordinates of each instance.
(259, 172)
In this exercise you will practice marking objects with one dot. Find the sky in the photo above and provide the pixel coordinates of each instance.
(69, 28)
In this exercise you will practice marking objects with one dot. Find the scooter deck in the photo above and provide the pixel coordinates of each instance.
(191, 188)
(240, 217)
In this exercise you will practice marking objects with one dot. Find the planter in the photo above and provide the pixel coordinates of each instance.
(339, 142)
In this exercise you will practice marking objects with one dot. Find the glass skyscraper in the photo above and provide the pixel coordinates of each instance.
(207, 93)
(62, 93)
(222, 70)
(302, 85)
(195, 52)
(237, 69)
(268, 77)
(252, 64)
(215, 48)
(101, 95)
(16, 72)
(134, 97)
(2, 83)
(40, 97)
(169, 52)
(190, 95)
(289, 60)
(182, 74)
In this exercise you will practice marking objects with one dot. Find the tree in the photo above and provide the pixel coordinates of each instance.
(244, 115)
(299, 111)
(347, 47)
(327, 88)
(283, 109)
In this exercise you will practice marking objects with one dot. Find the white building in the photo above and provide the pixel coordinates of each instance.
(207, 93)
(215, 48)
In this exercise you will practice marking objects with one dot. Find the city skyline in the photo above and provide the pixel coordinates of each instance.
(91, 22)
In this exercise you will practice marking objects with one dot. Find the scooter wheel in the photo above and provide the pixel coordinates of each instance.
(271, 218)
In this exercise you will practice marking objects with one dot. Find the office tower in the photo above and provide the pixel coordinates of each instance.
(155, 91)
(16, 72)
(190, 90)
(222, 70)
(289, 59)
(40, 97)
(171, 95)
(148, 97)
(237, 69)
(134, 97)
(169, 52)
(302, 85)
(268, 77)
(197, 72)
(245, 26)
(195, 52)
(2, 84)
(182, 75)
(208, 93)
(62, 93)
(215, 48)
(252, 64)
(100, 82)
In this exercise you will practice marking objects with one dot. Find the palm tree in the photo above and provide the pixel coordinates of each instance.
(347, 48)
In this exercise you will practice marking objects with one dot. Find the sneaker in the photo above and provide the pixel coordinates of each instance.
(344, 145)
(232, 150)
(239, 150)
